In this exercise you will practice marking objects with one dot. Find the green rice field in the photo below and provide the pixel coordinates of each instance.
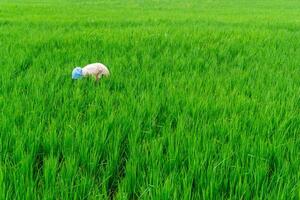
(203, 100)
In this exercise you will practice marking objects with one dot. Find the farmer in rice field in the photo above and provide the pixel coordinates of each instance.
(96, 69)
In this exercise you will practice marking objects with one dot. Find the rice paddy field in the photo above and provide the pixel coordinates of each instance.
(203, 101)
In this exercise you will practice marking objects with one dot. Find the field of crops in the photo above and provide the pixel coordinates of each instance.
(203, 101)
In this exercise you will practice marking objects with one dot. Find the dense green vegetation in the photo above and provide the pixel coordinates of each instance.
(202, 102)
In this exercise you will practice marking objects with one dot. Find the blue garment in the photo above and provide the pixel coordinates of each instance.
(76, 73)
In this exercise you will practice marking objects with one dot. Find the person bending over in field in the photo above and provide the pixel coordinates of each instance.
(96, 69)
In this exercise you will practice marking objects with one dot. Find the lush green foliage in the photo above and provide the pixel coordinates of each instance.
(202, 103)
